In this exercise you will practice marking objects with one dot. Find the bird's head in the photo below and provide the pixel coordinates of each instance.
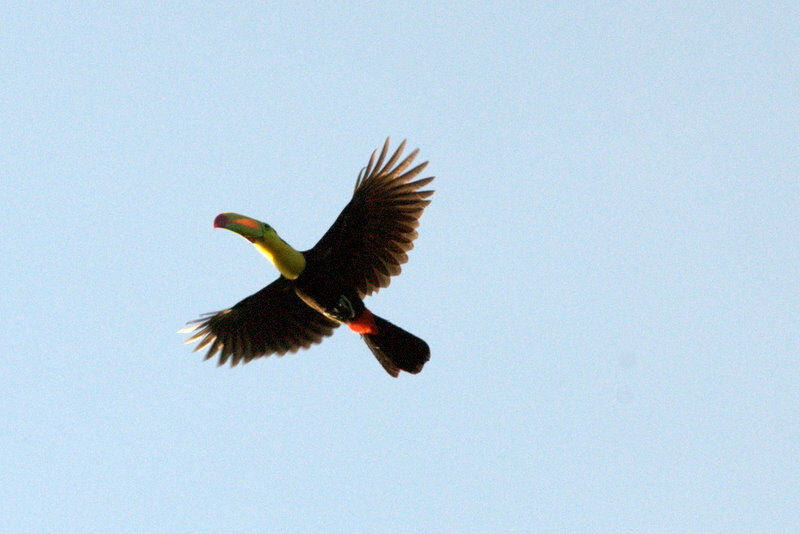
(289, 261)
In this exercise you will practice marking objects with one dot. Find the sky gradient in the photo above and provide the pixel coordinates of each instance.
(607, 275)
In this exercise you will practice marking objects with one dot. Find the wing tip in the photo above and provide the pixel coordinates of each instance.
(191, 326)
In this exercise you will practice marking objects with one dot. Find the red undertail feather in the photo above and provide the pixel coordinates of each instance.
(364, 323)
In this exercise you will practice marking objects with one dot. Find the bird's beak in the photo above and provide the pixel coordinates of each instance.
(246, 227)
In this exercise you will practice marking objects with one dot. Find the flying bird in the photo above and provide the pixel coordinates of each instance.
(324, 287)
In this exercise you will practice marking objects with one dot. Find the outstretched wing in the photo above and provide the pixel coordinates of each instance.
(369, 240)
(274, 320)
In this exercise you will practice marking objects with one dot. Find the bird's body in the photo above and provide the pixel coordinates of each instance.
(323, 287)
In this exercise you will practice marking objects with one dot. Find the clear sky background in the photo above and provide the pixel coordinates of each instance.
(607, 275)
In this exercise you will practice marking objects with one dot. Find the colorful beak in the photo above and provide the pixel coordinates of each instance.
(242, 225)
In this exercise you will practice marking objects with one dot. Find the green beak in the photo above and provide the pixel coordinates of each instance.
(246, 227)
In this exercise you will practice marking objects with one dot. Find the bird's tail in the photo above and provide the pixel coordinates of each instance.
(395, 349)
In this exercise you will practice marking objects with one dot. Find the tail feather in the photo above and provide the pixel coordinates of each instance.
(396, 349)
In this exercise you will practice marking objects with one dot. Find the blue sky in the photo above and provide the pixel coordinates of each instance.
(607, 275)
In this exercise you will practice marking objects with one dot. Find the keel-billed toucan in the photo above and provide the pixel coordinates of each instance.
(323, 287)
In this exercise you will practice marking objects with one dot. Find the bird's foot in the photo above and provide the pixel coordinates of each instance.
(343, 311)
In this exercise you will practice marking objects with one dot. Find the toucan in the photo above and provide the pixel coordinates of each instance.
(324, 287)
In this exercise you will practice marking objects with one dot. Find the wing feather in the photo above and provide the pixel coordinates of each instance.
(273, 320)
(369, 241)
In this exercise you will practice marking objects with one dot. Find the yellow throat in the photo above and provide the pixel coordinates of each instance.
(287, 260)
